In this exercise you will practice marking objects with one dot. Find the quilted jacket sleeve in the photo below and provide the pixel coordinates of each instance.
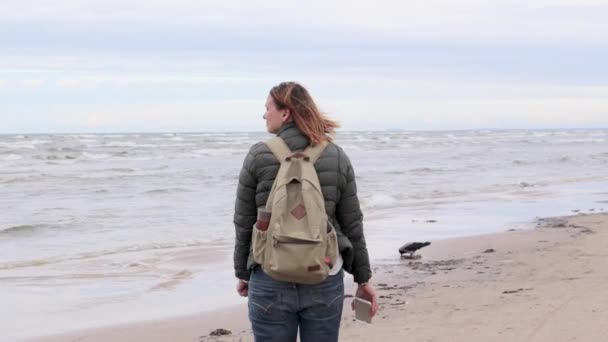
(245, 213)
(348, 213)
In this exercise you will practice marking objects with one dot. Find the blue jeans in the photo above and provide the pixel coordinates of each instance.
(277, 309)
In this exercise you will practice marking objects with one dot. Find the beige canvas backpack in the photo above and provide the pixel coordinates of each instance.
(300, 244)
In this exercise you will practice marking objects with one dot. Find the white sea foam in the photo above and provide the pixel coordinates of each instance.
(12, 157)
(121, 144)
(379, 201)
(85, 140)
(219, 152)
(27, 144)
(99, 253)
(95, 156)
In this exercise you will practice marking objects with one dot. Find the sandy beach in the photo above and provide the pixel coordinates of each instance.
(540, 284)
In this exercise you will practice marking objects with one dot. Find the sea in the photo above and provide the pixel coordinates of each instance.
(101, 229)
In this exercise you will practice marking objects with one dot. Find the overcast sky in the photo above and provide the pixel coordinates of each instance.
(181, 65)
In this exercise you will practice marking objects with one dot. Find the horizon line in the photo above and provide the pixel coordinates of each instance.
(351, 130)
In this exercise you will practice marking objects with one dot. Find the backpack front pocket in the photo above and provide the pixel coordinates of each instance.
(300, 260)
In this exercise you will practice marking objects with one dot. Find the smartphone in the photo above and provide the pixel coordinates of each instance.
(363, 308)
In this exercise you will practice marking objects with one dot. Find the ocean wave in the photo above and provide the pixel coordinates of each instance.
(12, 157)
(95, 156)
(380, 201)
(111, 173)
(102, 253)
(28, 144)
(166, 191)
(395, 172)
(22, 229)
(235, 142)
(56, 157)
(20, 179)
(427, 170)
(118, 173)
(158, 157)
(149, 146)
(581, 140)
(121, 169)
(520, 162)
(523, 184)
(600, 156)
(121, 144)
(186, 144)
(64, 149)
(351, 147)
(61, 162)
(86, 141)
(219, 152)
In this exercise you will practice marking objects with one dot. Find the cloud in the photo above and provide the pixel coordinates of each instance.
(232, 115)
(110, 80)
(32, 82)
(91, 62)
(538, 112)
(469, 20)
(412, 105)
(190, 64)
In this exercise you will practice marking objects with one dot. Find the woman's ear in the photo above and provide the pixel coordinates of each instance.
(286, 116)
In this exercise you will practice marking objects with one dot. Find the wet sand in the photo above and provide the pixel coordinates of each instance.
(541, 284)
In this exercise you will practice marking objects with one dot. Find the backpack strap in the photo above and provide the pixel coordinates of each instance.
(281, 151)
(279, 148)
(313, 152)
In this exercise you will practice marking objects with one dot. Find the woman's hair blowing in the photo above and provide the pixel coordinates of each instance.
(307, 117)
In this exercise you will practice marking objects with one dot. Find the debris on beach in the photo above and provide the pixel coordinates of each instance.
(512, 291)
(220, 332)
(516, 291)
(434, 266)
(553, 222)
(489, 250)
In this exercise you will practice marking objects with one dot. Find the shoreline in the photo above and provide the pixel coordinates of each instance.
(533, 284)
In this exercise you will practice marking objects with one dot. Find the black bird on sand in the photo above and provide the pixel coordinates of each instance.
(412, 247)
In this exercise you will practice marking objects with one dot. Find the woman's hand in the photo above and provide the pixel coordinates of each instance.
(242, 287)
(368, 293)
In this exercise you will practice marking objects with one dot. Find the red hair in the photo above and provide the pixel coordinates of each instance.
(307, 117)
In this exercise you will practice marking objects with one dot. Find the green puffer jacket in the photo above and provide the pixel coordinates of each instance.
(337, 180)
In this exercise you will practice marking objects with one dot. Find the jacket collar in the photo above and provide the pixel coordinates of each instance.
(291, 134)
(286, 128)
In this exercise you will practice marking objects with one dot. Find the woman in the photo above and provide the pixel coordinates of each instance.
(277, 309)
